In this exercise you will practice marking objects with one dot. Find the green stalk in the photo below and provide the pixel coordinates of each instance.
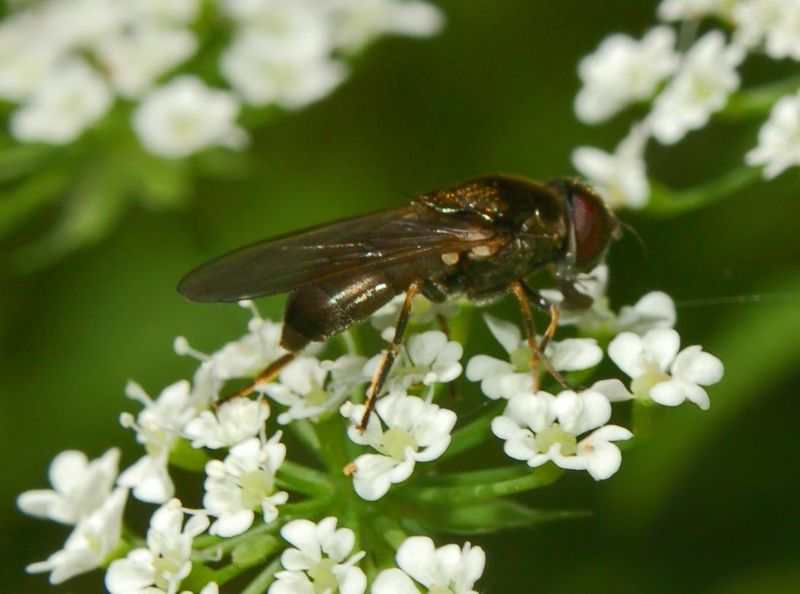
(533, 479)
(263, 579)
(303, 479)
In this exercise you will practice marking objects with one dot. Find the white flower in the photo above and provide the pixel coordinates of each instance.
(504, 379)
(79, 487)
(244, 357)
(136, 57)
(646, 359)
(234, 421)
(319, 563)
(243, 484)
(287, 26)
(357, 22)
(157, 427)
(165, 562)
(416, 431)
(706, 77)
(680, 10)
(69, 100)
(423, 311)
(26, 56)
(428, 358)
(620, 177)
(623, 71)
(93, 539)
(302, 387)
(263, 73)
(655, 310)
(779, 138)
(777, 22)
(185, 116)
(448, 569)
(541, 427)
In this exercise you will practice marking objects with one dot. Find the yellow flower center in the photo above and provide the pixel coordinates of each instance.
(395, 442)
(553, 435)
(322, 576)
(256, 485)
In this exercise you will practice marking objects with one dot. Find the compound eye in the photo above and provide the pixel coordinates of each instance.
(593, 227)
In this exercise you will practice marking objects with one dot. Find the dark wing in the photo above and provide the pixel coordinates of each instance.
(320, 253)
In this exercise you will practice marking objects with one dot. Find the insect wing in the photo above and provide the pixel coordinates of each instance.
(330, 250)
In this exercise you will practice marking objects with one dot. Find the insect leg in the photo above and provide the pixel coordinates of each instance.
(525, 295)
(264, 377)
(389, 355)
(552, 309)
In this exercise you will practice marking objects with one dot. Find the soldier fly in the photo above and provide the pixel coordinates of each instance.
(480, 239)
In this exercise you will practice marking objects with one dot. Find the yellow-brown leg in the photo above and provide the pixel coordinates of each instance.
(266, 376)
(389, 355)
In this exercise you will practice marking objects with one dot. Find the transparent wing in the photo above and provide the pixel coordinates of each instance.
(343, 247)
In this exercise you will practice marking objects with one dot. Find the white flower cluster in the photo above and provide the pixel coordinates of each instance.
(65, 61)
(246, 471)
(685, 88)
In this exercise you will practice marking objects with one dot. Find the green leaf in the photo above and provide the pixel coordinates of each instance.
(492, 516)
(525, 479)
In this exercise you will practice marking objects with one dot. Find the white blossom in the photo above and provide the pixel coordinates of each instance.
(233, 422)
(357, 22)
(428, 358)
(136, 57)
(775, 23)
(185, 116)
(706, 77)
(310, 388)
(416, 431)
(165, 562)
(263, 74)
(157, 427)
(623, 71)
(243, 484)
(80, 487)
(658, 371)
(286, 26)
(68, 101)
(541, 427)
(654, 310)
(680, 10)
(94, 538)
(26, 56)
(620, 177)
(448, 569)
(244, 357)
(320, 560)
(779, 138)
(505, 378)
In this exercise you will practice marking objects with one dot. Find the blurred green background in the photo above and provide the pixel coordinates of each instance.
(709, 504)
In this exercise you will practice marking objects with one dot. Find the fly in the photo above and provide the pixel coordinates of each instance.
(481, 239)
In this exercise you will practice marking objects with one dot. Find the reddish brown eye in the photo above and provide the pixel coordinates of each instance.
(593, 226)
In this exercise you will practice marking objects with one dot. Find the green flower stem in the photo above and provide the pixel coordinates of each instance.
(474, 433)
(758, 101)
(209, 542)
(307, 508)
(263, 579)
(642, 414)
(474, 477)
(303, 429)
(303, 479)
(665, 202)
(332, 436)
(532, 479)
